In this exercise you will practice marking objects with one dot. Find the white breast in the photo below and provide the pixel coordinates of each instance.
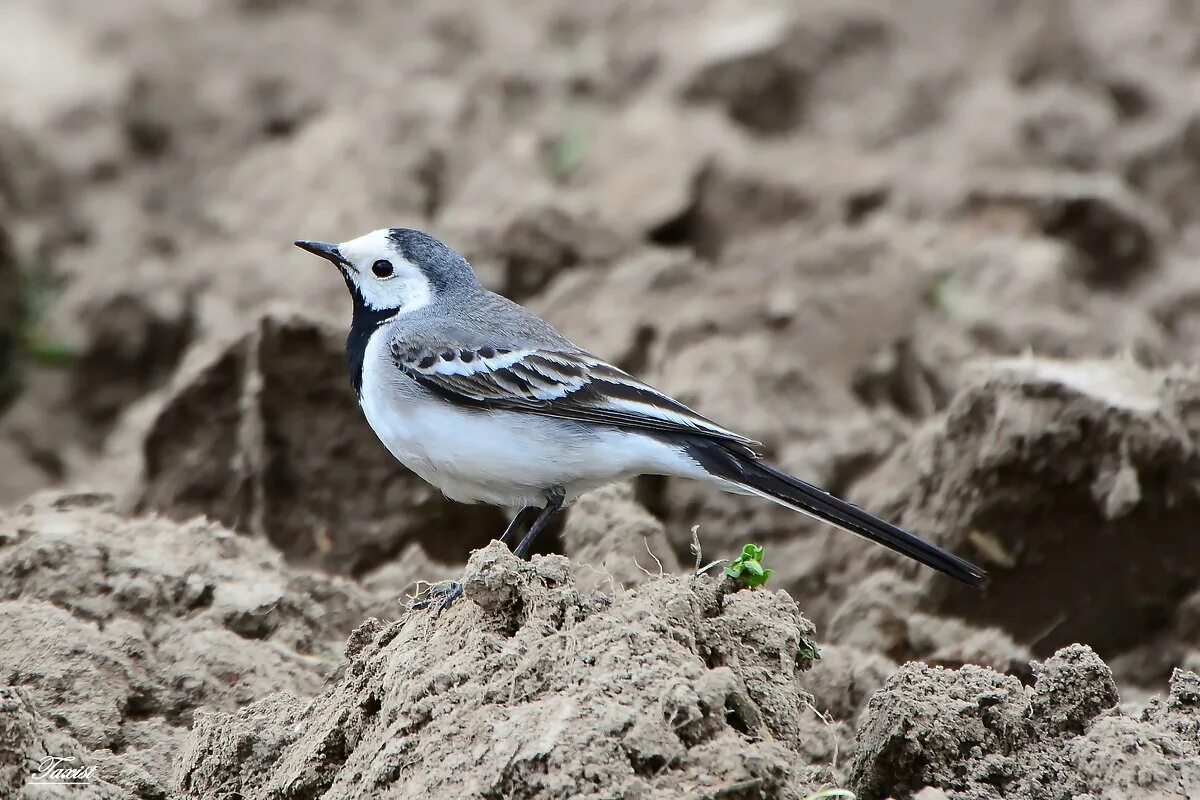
(501, 457)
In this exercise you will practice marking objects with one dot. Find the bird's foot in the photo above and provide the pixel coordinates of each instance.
(439, 597)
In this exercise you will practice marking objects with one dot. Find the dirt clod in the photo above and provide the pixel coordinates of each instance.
(972, 731)
(1044, 468)
(1113, 230)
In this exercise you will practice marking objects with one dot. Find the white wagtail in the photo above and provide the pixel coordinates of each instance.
(490, 404)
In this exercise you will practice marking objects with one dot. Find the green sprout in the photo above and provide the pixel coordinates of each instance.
(25, 296)
(748, 567)
(568, 152)
(36, 343)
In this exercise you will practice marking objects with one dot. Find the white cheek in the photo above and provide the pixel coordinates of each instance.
(407, 292)
(417, 291)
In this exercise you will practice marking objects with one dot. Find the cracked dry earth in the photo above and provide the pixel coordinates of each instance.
(940, 258)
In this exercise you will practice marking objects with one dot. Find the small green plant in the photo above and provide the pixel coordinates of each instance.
(25, 295)
(832, 794)
(748, 567)
(568, 152)
(37, 343)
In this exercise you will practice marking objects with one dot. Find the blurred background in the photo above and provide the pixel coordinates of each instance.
(940, 257)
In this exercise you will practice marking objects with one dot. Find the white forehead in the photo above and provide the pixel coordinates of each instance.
(407, 290)
(368, 248)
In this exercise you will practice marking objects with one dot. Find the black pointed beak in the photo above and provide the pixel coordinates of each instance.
(327, 251)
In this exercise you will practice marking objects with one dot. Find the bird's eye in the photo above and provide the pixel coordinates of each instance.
(382, 268)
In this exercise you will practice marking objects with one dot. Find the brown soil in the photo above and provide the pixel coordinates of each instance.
(939, 258)
(979, 734)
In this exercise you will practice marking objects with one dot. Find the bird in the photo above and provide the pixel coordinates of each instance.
(490, 404)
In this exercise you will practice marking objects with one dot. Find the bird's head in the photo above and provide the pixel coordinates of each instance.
(396, 270)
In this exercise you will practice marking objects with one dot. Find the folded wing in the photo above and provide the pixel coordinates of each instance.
(568, 384)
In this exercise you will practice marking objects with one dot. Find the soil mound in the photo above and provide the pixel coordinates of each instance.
(975, 734)
(1057, 475)
(530, 687)
(113, 631)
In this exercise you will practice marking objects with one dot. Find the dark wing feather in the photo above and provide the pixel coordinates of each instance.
(568, 384)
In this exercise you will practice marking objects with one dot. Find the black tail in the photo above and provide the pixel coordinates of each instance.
(752, 474)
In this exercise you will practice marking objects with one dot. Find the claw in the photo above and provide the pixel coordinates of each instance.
(439, 598)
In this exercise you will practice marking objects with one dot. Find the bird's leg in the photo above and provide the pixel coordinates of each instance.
(442, 596)
(439, 597)
(554, 501)
(525, 516)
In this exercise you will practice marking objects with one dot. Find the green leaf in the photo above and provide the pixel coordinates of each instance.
(752, 552)
(569, 152)
(748, 567)
(51, 354)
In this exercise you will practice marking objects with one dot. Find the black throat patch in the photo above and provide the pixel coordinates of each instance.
(362, 325)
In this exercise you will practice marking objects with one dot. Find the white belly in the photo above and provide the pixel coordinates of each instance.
(510, 459)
